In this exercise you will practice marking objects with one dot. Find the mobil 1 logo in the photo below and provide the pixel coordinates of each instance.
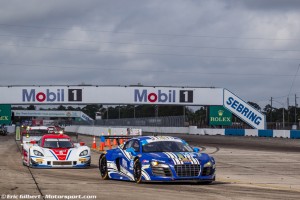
(75, 94)
(186, 96)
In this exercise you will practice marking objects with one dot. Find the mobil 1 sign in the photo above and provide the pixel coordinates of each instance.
(51, 95)
(75, 95)
(186, 96)
(163, 96)
(244, 111)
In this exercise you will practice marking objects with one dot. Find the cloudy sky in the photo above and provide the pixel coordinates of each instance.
(250, 47)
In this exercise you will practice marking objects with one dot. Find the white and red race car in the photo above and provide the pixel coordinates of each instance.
(54, 151)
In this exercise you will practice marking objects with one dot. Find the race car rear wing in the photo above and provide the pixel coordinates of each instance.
(30, 135)
(36, 135)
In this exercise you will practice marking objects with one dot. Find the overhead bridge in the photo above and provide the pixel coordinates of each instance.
(134, 95)
(52, 113)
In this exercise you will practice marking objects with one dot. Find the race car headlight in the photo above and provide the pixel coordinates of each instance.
(37, 153)
(154, 163)
(84, 153)
(209, 164)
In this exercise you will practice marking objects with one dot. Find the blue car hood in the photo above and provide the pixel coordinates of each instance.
(169, 156)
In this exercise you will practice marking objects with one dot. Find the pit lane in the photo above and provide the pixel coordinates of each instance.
(247, 168)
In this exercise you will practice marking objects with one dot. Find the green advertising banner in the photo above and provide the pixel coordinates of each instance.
(5, 114)
(218, 115)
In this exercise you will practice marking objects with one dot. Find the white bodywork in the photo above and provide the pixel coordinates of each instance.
(34, 155)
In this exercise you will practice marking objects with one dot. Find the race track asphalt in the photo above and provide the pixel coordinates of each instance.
(247, 168)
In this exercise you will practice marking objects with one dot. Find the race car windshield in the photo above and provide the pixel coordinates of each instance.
(166, 146)
(57, 143)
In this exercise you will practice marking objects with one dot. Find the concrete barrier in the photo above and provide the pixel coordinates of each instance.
(265, 133)
(295, 134)
(281, 133)
(235, 132)
(193, 130)
(11, 129)
(251, 132)
(98, 130)
(208, 131)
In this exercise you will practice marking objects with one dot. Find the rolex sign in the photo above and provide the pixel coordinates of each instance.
(5, 114)
(218, 115)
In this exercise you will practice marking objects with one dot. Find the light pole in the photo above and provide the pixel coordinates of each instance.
(282, 112)
(107, 112)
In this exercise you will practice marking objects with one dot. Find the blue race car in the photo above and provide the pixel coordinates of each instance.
(157, 158)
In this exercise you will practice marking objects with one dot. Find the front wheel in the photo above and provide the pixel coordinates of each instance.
(137, 171)
(26, 158)
(204, 182)
(103, 167)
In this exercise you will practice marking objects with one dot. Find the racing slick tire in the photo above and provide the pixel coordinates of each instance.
(137, 171)
(103, 167)
(28, 163)
(3, 132)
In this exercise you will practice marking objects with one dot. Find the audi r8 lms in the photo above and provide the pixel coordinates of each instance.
(54, 151)
(149, 158)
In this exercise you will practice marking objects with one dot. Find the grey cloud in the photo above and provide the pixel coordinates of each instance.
(231, 44)
(278, 5)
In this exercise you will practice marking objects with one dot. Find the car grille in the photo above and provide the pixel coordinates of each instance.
(207, 171)
(187, 170)
(62, 162)
(161, 171)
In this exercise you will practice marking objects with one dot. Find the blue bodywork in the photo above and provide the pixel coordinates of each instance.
(159, 166)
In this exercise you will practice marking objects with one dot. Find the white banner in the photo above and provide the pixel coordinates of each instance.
(244, 111)
(49, 113)
(110, 95)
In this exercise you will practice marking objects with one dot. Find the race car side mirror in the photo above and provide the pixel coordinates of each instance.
(196, 149)
(131, 150)
(82, 143)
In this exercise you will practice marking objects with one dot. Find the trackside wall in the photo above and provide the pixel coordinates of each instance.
(192, 130)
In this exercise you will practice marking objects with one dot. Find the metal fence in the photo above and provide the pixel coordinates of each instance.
(171, 121)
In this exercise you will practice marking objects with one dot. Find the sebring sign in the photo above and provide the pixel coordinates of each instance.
(243, 110)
